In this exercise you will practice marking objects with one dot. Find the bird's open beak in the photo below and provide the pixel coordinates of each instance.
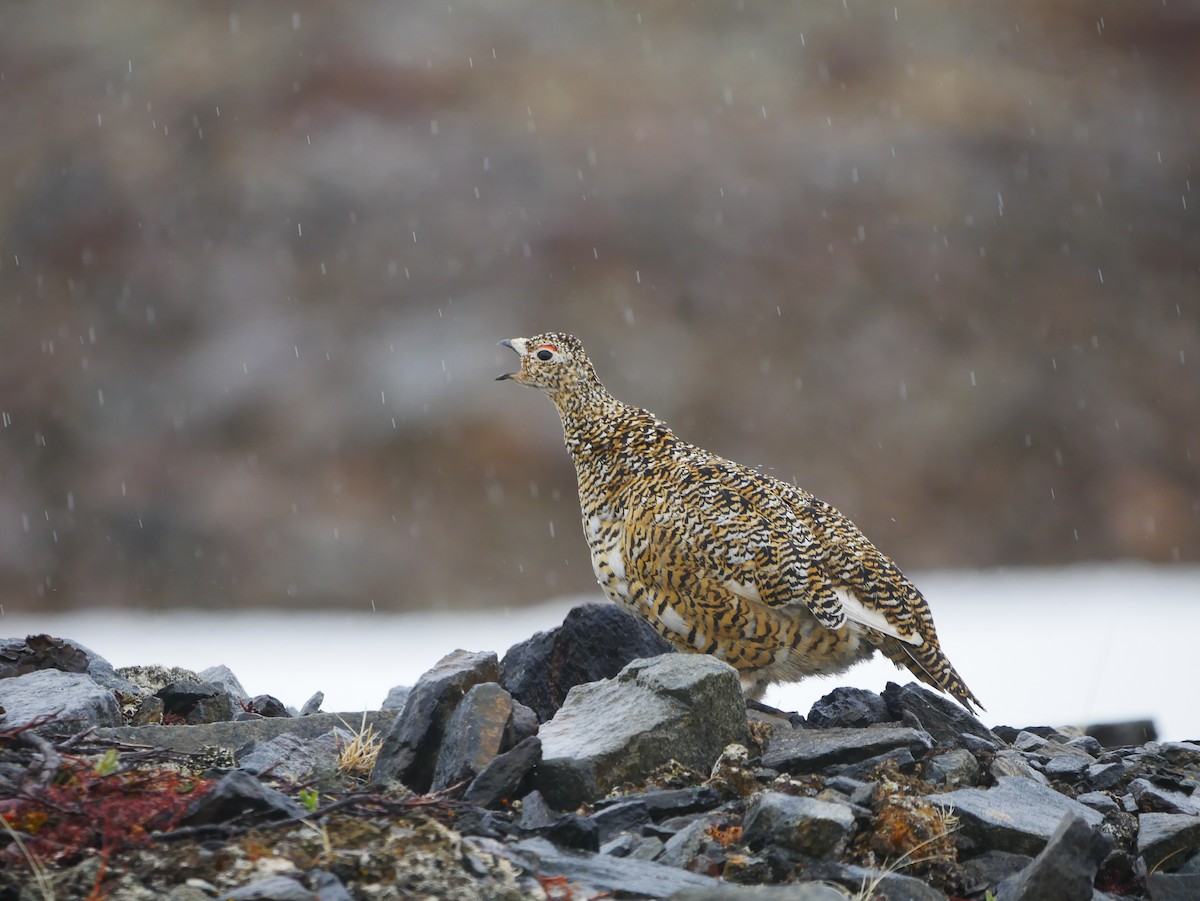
(507, 342)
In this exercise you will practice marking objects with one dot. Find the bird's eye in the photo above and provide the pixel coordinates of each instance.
(544, 354)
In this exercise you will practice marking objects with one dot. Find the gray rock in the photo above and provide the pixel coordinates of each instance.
(19, 656)
(900, 758)
(944, 719)
(396, 698)
(272, 888)
(1088, 744)
(806, 825)
(197, 702)
(685, 707)
(1102, 776)
(952, 769)
(803, 891)
(594, 642)
(74, 700)
(640, 878)
(501, 779)
(890, 885)
(1066, 767)
(153, 678)
(625, 816)
(410, 749)
(237, 794)
(1166, 837)
(1172, 887)
(670, 802)
(1028, 741)
(848, 707)
(991, 868)
(808, 750)
(266, 705)
(1065, 869)
(684, 846)
(223, 677)
(475, 735)
(328, 887)
(1100, 801)
(1013, 764)
(1153, 798)
(297, 759)
(567, 829)
(313, 705)
(1017, 815)
(236, 735)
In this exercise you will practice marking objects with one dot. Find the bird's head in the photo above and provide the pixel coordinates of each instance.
(552, 361)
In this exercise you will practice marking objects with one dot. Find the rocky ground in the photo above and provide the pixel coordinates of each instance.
(584, 764)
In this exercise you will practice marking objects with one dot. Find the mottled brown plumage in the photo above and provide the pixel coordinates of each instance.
(720, 558)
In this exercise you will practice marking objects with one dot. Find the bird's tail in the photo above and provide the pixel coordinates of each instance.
(932, 667)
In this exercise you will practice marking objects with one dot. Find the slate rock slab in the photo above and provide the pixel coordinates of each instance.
(809, 750)
(236, 794)
(236, 735)
(1065, 870)
(594, 642)
(805, 825)
(1166, 837)
(685, 707)
(848, 708)
(502, 778)
(942, 718)
(804, 891)
(19, 656)
(890, 886)
(639, 878)
(297, 759)
(410, 749)
(271, 888)
(1017, 815)
(475, 735)
(75, 700)
(1172, 887)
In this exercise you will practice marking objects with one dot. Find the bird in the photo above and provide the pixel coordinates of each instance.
(721, 558)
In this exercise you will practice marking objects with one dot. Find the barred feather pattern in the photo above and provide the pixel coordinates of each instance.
(723, 559)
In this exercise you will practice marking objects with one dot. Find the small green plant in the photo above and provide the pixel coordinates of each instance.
(310, 798)
(107, 763)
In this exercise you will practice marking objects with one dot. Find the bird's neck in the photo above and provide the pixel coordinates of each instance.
(604, 436)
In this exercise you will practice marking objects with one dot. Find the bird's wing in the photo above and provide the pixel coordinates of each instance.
(717, 525)
(881, 596)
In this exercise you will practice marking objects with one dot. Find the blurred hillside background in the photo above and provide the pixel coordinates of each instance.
(937, 262)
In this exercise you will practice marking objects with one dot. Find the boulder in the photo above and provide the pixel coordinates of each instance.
(1017, 815)
(74, 700)
(848, 707)
(944, 719)
(238, 794)
(594, 642)
(501, 779)
(223, 677)
(19, 656)
(804, 825)
(807, 750)
(1065, 869)
(410, 749)
(639, 878)
(297, 759)
(1165, 837)
(475, 735)
(683, 707)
